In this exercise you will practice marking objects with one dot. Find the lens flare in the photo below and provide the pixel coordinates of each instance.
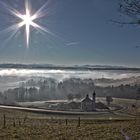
(27, 20)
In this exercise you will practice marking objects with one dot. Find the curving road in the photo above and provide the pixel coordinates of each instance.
(123, 112)
(52, 112)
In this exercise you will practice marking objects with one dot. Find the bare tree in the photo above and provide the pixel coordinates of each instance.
(131, 9)
(70, 97)
(78, 96)
(109, 99)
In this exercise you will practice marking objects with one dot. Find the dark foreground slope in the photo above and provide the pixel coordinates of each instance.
(28, 126)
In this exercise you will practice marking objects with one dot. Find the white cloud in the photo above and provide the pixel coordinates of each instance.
(72, 43)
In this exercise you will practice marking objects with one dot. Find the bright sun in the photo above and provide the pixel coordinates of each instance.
(27, 20)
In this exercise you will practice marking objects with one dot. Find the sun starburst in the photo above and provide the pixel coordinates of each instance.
(27, 20)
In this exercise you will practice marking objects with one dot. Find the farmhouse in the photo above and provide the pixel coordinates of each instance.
(88, 104)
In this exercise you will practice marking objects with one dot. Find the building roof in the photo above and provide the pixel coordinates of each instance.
(87, 99)
(101, 105)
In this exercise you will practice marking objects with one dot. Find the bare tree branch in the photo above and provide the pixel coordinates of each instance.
(131, 9)
(122, 23)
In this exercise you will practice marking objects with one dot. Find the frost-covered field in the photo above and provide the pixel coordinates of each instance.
(23, 125)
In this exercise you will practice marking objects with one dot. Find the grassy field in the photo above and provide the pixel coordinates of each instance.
(30, 126)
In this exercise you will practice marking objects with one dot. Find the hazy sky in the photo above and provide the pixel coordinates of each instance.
(83, 34)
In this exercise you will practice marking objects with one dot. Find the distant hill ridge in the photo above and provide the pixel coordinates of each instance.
(63, 67)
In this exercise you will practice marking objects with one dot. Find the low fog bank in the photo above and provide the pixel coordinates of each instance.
(12, 78)
(63, 74)
(21, 85)
(51, 89)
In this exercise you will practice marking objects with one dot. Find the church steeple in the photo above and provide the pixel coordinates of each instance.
(94, 101)
(87, 96)
(93, 96)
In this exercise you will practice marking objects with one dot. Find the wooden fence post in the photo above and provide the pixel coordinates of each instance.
(14, 123)
(66, 122)
(4, 121)
(78, 122)
(19, 122)
(24, 120)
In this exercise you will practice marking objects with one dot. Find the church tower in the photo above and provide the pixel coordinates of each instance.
(94, 101)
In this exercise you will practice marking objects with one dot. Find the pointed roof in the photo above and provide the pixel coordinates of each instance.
(87, 99)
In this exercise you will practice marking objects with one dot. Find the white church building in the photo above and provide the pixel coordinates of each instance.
(88, 104)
